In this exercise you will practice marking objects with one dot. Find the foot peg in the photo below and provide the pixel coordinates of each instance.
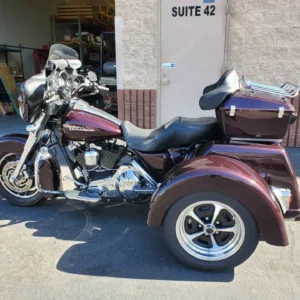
(82, 196)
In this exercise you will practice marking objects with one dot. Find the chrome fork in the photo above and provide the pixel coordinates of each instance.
(35, 131)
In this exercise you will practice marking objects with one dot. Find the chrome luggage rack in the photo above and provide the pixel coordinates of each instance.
(288, 89)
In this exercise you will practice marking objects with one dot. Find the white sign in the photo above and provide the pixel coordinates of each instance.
(168, 65)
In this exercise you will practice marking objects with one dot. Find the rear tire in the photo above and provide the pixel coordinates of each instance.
(210, 232)
(25, 192)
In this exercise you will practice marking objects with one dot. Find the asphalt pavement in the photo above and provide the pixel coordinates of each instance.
(64, 249)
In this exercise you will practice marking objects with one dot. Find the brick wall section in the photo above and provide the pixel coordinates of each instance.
(138, 107)
(137, 99)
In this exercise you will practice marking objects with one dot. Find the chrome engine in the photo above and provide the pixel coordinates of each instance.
(128, 182)
(110, 173)
(91, 159)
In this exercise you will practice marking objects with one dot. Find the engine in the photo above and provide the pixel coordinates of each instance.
(111, 172)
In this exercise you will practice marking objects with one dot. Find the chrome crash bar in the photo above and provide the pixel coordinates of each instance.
(42, 156)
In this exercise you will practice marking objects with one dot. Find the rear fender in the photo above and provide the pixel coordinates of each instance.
(226, 176)
(49, 170)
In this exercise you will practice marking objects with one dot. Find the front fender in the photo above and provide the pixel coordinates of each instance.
(49, 170)
(226, 176)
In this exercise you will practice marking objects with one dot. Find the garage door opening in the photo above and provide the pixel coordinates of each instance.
(84, 25)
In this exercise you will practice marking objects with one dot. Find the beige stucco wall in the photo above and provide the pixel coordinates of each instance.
(137, 24)
(264, 40)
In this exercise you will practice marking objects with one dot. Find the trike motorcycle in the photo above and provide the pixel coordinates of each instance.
(216, 185)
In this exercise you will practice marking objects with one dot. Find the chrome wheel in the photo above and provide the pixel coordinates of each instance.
(210, 230)
(24, 187)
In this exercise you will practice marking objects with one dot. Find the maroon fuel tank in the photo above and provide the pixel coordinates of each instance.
(82, 125)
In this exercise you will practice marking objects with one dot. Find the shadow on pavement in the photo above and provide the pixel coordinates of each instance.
(110, 240)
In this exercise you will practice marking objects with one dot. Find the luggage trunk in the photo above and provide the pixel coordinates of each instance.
(257, 115)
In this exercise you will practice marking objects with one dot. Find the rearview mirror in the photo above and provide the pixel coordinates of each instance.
(92, 76)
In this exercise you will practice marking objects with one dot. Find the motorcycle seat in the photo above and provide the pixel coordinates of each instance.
(214, 95)
(177, 132)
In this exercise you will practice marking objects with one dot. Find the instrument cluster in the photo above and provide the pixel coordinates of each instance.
(65, 78)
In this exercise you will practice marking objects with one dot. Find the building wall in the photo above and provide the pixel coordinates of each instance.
(136, 28)
(264, 40)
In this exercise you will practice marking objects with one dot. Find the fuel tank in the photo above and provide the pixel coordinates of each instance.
(82, 125)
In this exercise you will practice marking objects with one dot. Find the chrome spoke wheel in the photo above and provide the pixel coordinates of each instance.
(210, 230)
(24, 187)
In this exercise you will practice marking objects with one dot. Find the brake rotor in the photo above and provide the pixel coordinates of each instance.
(22, 184)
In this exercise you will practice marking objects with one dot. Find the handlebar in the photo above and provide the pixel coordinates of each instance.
(88, 85)
(99, 87)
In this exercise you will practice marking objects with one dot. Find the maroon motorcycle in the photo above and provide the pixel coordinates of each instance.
(217, 185)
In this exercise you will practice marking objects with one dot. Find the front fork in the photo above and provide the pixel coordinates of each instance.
(35, 130)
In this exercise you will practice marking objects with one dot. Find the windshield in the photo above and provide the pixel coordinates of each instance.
(59, 51)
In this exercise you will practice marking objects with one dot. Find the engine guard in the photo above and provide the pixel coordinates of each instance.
(226, 176)
(49, 171)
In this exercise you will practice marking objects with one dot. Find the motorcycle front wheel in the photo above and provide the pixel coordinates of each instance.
(210, 232)
(23, 192)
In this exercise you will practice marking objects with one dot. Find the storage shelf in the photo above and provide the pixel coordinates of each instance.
(86, 24)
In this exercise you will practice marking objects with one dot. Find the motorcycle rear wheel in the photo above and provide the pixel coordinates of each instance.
(210, 232)
(24, 191)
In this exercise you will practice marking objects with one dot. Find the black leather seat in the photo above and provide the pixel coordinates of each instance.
(177, 132)
(215, 94)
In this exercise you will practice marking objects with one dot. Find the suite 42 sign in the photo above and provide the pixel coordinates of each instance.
(193, 11)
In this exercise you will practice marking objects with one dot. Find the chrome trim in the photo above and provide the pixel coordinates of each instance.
(144, 174)
(42, 156)
(93, 146)
(232, 111)
(68, 178)
(288, 89)
(31, 142)
(84, 106)
(283, 196)
(256, 140)
(281, 112)
(147, 190)
(83, 196)
(31, 128)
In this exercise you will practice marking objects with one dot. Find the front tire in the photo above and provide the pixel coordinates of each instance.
(24, 191)
(210, 231)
